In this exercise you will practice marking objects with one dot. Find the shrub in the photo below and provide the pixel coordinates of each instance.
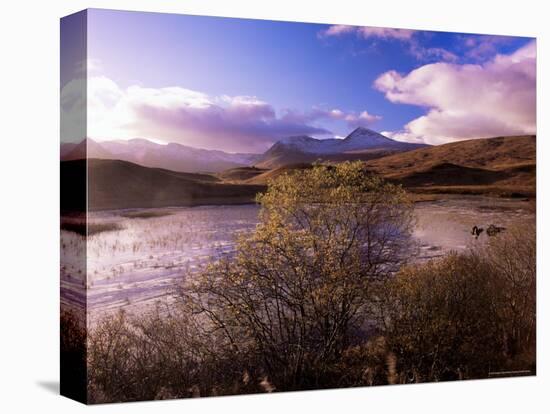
(465, 316)
(512, 257)
(299, 290)
(160, 355)
(442, 320)
(73, 357)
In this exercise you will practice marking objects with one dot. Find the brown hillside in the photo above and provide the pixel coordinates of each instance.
(115, 184)
(277, 160)
(240, 174)
(502, 165)
(265, 177)
(490, 153)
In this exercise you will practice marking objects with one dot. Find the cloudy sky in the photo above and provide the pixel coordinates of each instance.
(239, 85)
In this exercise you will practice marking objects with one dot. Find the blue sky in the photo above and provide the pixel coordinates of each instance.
(292, 74)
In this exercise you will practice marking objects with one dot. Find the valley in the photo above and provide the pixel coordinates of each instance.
(149, 227)
(501, 167)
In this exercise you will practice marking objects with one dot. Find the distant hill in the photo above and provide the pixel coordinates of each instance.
(116, 184)
(267, 175)
(86, 148)
(240, 174)
(504, 165)
(361, 144)
(172, 156)
(66, 148)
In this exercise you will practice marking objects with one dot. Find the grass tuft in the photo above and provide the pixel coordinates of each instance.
(146, 214)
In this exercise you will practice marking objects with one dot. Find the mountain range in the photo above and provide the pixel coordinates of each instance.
(175, 157)
(362, 144)
(502, 166)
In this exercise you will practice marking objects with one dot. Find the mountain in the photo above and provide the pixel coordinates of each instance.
(66, 148)
(501, 165)
(504, 166)
(172, 156)
(116, 184)
(361, 144)
(86, 148)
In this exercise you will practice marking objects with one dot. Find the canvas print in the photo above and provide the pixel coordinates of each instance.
(253, 206)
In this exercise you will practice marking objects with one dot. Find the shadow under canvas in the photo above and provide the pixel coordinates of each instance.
(51, 386)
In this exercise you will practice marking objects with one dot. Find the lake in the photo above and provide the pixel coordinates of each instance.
(136, 266)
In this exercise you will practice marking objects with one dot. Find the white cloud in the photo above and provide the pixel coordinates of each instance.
(410, 38)
(479, 48)
(385, 33)
(88, 66)
(367, 32)
(337, 30)
(351, 118)
(362, 119)
(176, 114)
(467, 101)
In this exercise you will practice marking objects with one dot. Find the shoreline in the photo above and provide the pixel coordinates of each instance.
(416, 197)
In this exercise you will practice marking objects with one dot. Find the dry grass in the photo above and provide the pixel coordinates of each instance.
(488, 190)
(79, 226)
(491, 153)
(268, 175)
(237, 175)
(146, 214)
(502, 166)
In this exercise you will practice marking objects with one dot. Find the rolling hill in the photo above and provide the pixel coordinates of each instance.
(240, 174)
(267, 175)
(502, 165)
(116, 184)
(492, 153)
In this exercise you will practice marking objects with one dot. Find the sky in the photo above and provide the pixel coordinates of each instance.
(239, 85)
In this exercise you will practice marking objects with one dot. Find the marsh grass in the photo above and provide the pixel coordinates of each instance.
(79, 227)
(146, 214)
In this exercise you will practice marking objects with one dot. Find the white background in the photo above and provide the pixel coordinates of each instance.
(29, 261)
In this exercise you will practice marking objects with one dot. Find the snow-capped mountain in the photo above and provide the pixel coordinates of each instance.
(172, 156)
(362, 143)
(359, 139)
(364, 138)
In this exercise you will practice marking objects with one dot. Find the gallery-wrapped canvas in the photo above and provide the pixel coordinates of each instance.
(252, 206)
